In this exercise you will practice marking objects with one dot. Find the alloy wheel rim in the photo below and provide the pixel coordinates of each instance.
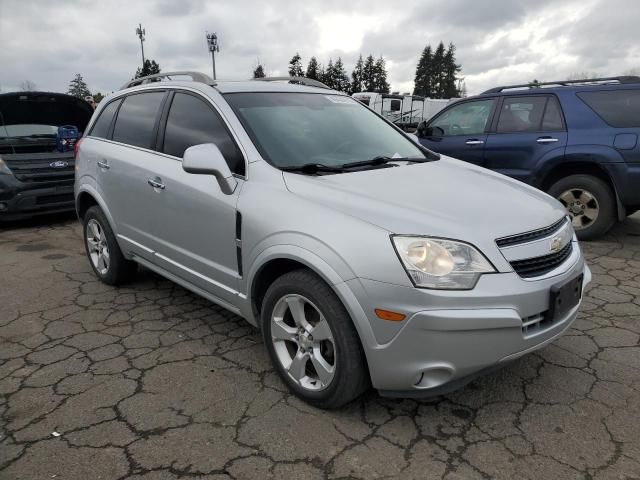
(303, 342)
(97, 247)
(582, 206)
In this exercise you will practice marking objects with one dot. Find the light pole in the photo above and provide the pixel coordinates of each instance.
(212, 43)
(141, 33)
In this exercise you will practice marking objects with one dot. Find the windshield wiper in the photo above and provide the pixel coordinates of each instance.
(312, 168)
(382, 160)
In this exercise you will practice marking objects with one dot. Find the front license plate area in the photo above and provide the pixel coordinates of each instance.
(564, 297)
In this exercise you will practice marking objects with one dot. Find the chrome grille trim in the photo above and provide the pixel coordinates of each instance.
(532, 235)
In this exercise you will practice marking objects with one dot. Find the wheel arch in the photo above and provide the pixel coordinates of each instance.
(86, 197)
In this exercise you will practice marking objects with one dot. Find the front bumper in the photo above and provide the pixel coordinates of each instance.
(25, 199)
(451, 336)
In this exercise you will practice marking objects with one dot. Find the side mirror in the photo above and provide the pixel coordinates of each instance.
(421, 131)
(413, 137)
(207, 159)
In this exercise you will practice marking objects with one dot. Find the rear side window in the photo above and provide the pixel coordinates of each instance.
(137, 118)
(191, 121)
(619, 108)
(552, 120)
(101, 127)
(521, 114)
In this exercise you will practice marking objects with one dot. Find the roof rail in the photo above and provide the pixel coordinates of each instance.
(302, 80)
(567, 83)
(195, 76)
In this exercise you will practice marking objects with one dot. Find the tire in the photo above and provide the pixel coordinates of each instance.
(336, 354)
(114, 268)
(594, 210)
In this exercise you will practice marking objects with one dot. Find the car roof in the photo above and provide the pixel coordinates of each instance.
(230, 86)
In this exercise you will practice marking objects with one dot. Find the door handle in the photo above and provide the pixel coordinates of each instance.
(547, 140)
(474, 142)
(156, 183)
(102, 164)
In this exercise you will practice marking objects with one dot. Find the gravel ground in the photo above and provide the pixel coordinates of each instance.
(151, 382)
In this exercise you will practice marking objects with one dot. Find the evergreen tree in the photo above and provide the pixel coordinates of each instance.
(380, 76)
(369, 74)
(150, 67)
(259, 72)
(313, 69)
(78, 87)
(329, 77)
(322, 74)
(357, 76)
(438, 68)
(423, 78)
(451, 70)
(295, 66)
(98, 97)
(340, 77)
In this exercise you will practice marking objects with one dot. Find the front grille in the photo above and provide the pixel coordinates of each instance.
(531, 236)
(537, 266)
(41, 171)
(58, 198)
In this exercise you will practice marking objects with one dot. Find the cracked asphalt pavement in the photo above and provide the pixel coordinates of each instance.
(149, 381)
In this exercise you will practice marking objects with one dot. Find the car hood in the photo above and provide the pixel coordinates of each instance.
(44, 108)
(444, 198)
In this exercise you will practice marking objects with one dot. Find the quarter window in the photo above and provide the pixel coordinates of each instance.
(135, 124)
(552, 120)
(619, 108)
(101, 127)
(468, 118)
(191, 121)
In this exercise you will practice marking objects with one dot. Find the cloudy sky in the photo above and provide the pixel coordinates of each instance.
(498, 41)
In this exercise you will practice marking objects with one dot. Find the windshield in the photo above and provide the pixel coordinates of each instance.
(27, 130)
(294, 129)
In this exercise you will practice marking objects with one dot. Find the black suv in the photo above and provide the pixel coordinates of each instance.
(576, 140)
(35, 176)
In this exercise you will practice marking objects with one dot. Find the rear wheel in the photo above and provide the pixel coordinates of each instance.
(103, 251)
(312, 341)
(590, 203)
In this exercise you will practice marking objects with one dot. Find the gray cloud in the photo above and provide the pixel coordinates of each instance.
(499, 42)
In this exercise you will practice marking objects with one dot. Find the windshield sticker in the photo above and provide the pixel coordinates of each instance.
(339, 99)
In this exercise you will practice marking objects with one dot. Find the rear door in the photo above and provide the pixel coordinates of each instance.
(460, 131)
(125, 164)
(527, 131)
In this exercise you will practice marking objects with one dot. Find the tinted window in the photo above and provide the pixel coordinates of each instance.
(192, 121)
(101, 127)
(521, 114)
(136, 119)
(552, 120)
(468, 118)
(619, 108)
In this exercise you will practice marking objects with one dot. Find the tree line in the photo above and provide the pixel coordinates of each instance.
(437, 73)
(369, 74)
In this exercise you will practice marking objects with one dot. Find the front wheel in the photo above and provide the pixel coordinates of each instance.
(312, 341)
(590, 203)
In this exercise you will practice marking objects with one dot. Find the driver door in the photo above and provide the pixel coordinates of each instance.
(460, 131)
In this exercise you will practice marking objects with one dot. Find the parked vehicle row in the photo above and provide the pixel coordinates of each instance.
(576, 140)
(364, 257)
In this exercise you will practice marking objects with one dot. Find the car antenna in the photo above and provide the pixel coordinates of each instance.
(6, 131)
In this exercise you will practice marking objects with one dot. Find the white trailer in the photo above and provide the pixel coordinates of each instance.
(406, 111)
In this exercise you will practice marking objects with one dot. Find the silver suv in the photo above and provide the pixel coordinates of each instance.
(364, 258)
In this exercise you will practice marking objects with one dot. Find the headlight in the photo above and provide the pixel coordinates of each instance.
(441, 264)
(4, 170)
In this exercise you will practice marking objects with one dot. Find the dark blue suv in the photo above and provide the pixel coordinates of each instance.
(576, 140)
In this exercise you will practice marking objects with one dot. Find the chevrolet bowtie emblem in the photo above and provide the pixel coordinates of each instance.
(555, 244)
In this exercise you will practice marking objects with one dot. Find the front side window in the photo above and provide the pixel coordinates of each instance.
(294, 129)
(135, 124)
(468, 118)
(101, 127)
(619, 108)
(191, 122)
